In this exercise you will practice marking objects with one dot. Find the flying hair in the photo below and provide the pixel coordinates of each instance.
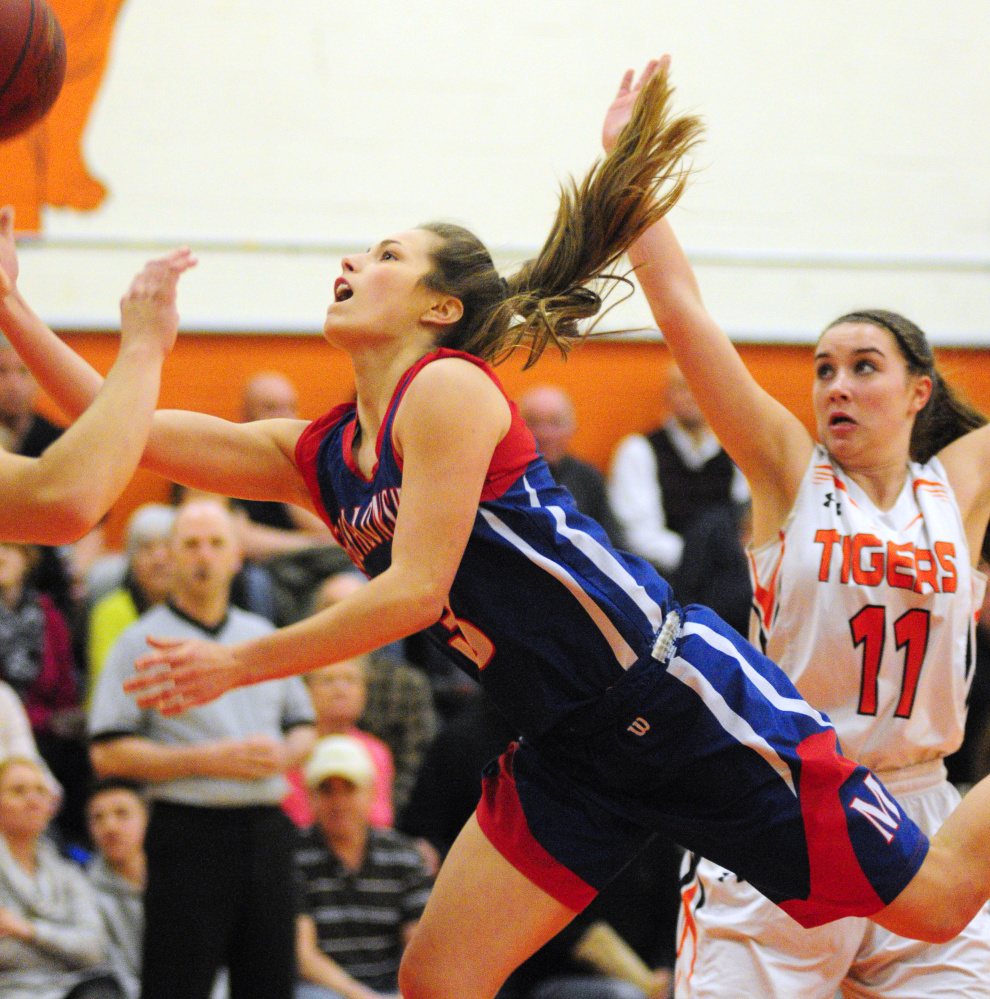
(547, 298)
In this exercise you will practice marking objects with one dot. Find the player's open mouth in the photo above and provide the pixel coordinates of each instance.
(840, 420)
(341, 290)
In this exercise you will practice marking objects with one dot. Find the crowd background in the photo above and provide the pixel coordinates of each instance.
(844, 158)
(426, 730)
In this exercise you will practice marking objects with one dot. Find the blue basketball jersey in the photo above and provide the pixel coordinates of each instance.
(701, 736)
(541, 604)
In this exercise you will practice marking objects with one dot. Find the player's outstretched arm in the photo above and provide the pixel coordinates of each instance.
(967, 464)
(447, 427)
(768, 443)
(58, 497)
(233, 459)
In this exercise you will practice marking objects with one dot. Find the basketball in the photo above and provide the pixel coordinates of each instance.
(32, 63)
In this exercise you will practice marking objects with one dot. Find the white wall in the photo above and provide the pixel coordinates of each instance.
(847, 160)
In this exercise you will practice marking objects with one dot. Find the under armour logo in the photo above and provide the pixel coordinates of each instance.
(639, 727)
(829, 500)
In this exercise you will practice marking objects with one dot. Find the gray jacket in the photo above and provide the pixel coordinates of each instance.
(59, 903)
(122, 908)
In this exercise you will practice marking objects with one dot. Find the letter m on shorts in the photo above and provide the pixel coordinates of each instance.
(885, 815)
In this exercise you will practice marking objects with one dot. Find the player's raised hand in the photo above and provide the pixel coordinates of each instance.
(620, 110)
(148, 311)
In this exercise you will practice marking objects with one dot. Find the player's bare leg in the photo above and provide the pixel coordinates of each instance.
(483, 919)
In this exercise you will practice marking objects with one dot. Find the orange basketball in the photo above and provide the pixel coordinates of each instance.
(32, 63)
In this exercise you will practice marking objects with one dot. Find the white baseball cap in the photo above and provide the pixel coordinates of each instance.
(339, 756)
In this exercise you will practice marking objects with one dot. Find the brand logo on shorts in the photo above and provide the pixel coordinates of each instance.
(639, 727)
(887, 817)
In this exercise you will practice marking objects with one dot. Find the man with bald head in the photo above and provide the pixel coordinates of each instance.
(273, 528)
(549, 414)
(269, 395)
(219, 847)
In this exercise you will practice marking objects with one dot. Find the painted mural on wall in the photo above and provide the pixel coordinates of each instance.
(46, 165)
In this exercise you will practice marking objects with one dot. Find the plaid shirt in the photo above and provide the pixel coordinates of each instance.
(400, 712)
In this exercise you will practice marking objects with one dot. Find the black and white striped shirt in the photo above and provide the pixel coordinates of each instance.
(360, 915)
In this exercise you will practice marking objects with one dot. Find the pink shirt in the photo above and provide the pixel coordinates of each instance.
(382, 816)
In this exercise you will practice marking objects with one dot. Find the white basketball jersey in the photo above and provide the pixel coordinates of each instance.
(871, 614)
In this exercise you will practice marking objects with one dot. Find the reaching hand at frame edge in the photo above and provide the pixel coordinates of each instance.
(620, 110)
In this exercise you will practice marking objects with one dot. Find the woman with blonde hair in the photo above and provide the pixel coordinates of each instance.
(52, 943)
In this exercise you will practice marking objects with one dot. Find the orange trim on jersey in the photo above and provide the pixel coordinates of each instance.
(765, 597)
(690, 927)
(822, 473)
(913, 521)
(937, 489)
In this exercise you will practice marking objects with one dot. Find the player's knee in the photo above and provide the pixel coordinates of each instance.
(422, 976)
(417, 977)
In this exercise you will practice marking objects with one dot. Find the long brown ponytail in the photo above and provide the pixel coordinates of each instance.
(946, 416)
(543, 302)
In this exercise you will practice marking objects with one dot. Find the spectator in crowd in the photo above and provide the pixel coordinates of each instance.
(16, 738)
(219, 890)
(106, 570)
(15, 727)
(549, 414)
(147, 577)
(661, 481)
(52, 944)
(270, 528)
(26, 432)
(399, 701)
(714, 570)
(339, 693)
(362, 889)
(252, 588)
(118, 817)
(37, 661)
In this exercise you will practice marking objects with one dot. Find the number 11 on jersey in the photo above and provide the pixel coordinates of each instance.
(869, 629)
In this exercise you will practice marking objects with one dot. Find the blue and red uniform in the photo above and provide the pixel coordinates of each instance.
(636, 715)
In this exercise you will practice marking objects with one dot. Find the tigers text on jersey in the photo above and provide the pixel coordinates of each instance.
(872, 614)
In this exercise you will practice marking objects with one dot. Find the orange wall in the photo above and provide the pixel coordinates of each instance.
(615, 384)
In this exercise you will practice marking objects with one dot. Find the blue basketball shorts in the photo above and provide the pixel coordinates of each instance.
(712, 745)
